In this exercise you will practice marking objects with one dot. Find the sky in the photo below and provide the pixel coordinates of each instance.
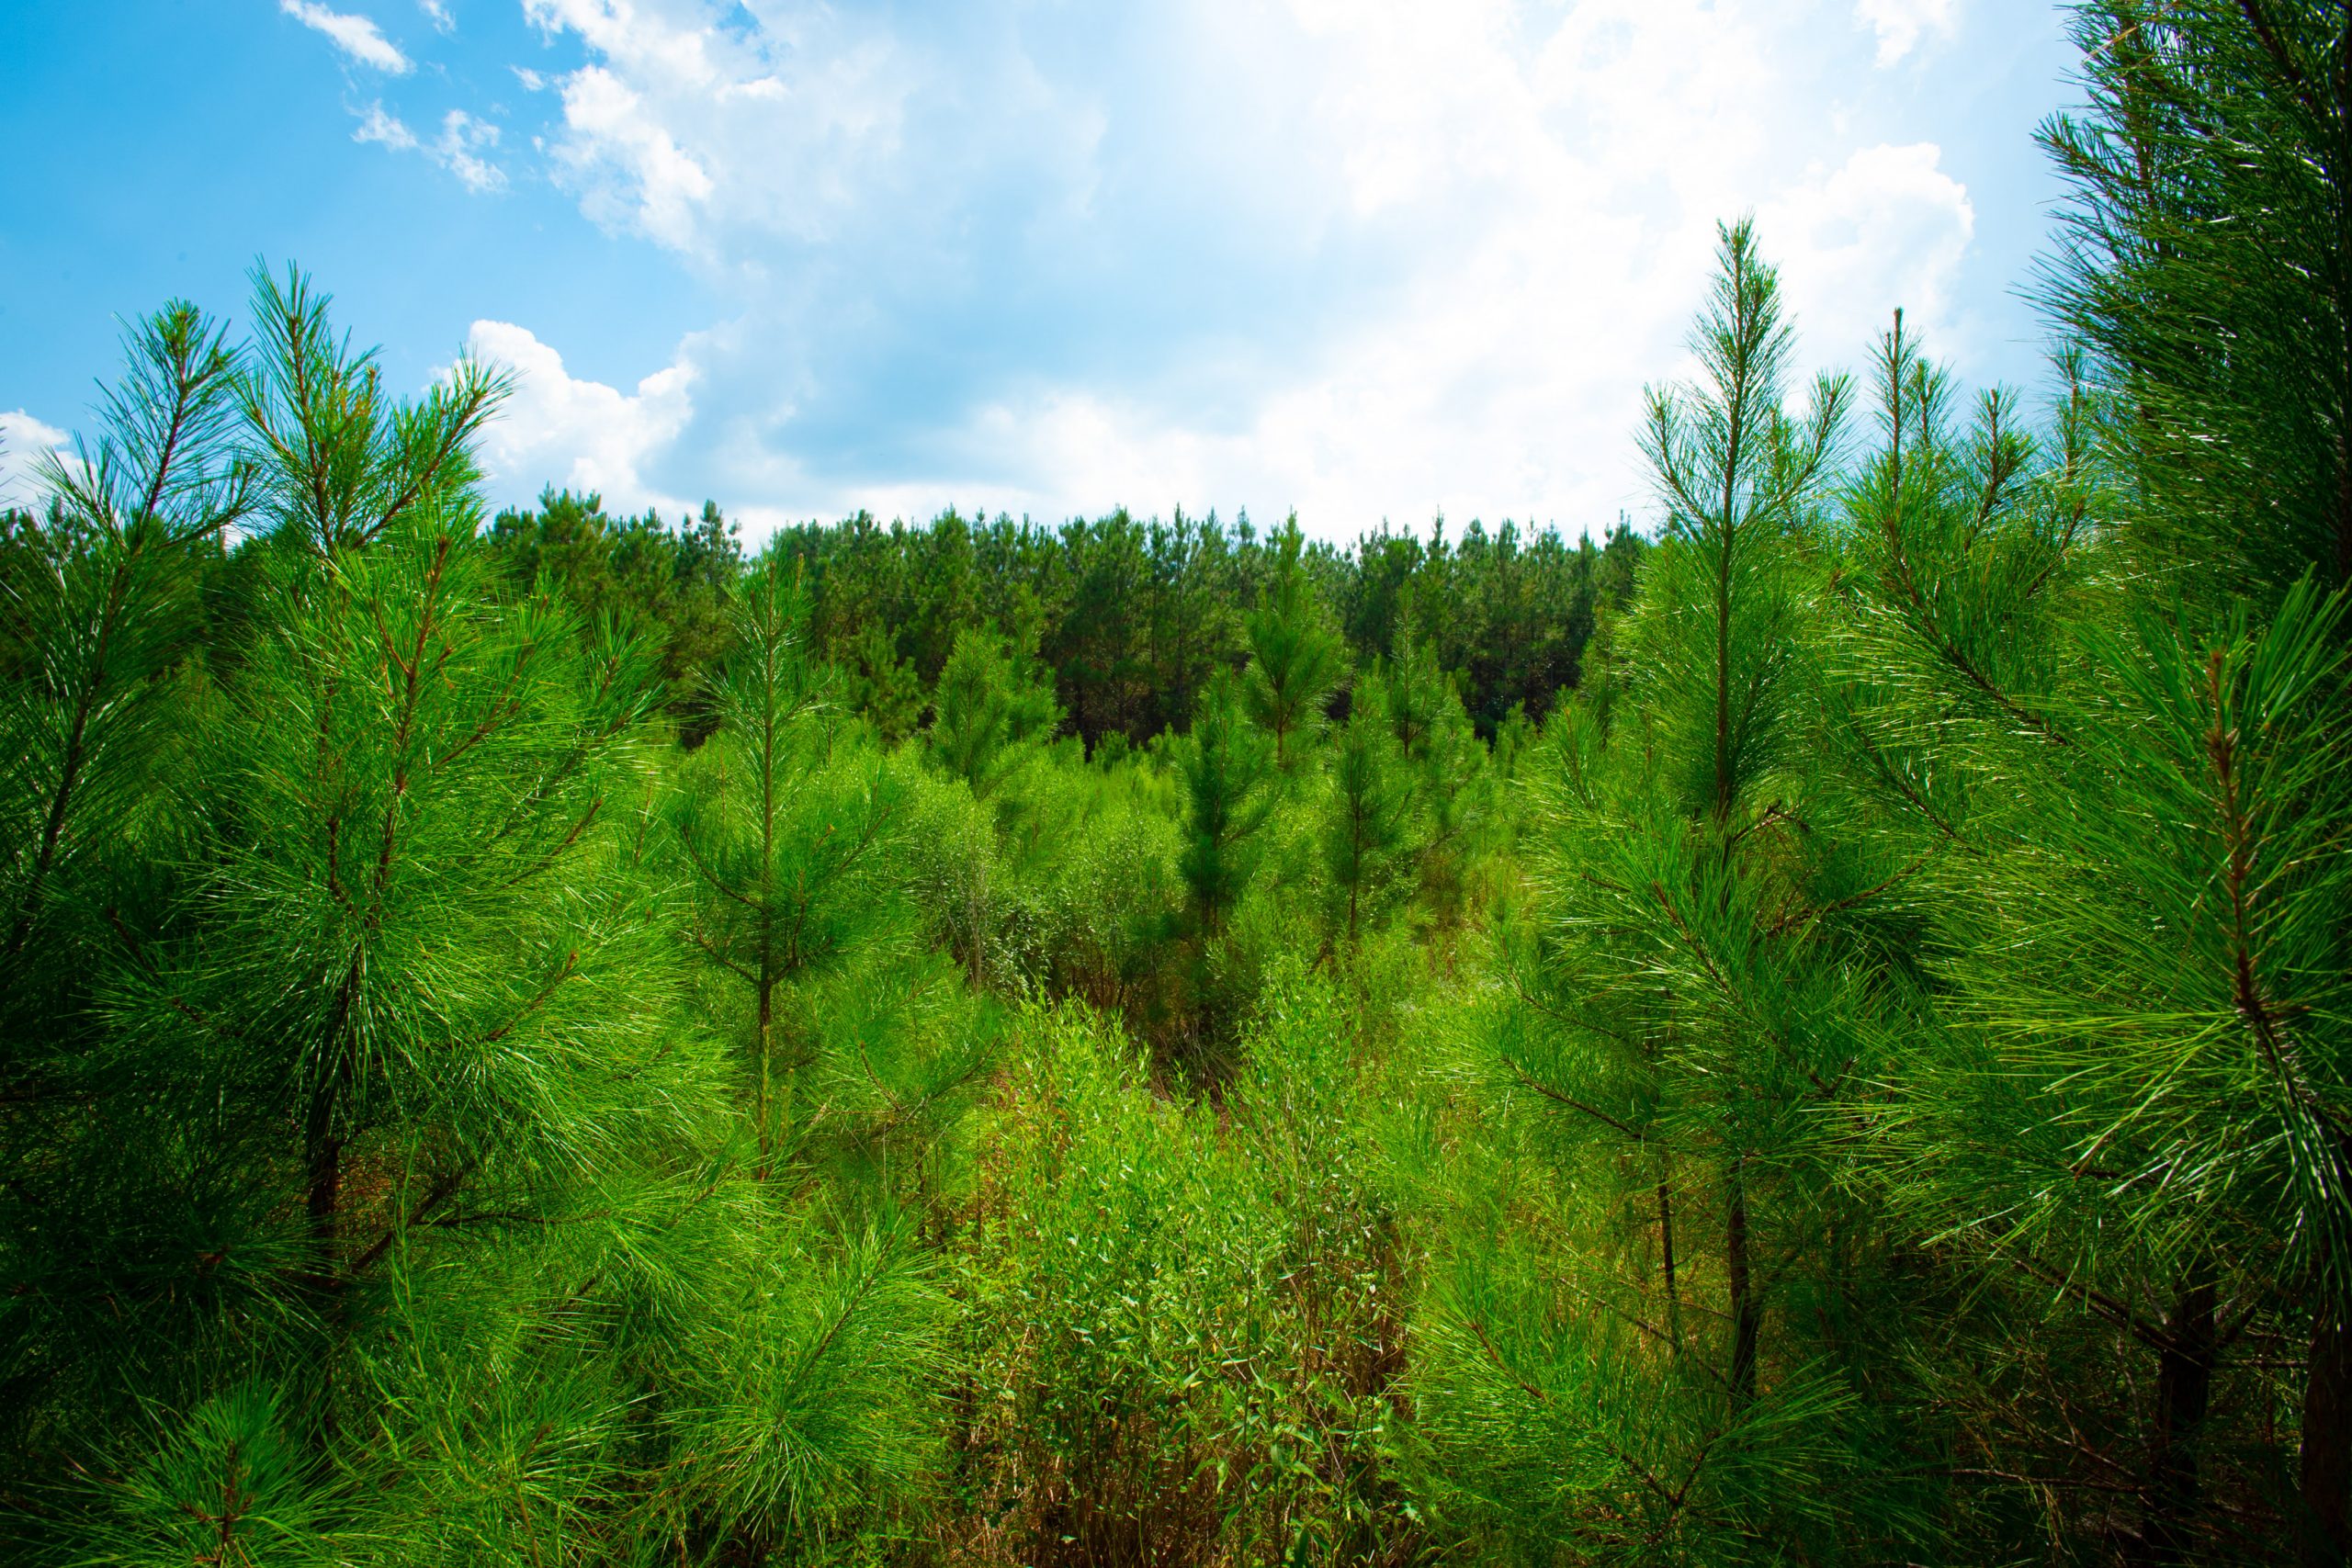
(1367, 260)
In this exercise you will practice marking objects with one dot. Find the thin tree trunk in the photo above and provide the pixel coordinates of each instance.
(322, 1161)
(1665, 1247)
(767, 1019)
(76, 740)
(321, 1143)
(2327, 1441)
(322, 1203)
(2184, 1392)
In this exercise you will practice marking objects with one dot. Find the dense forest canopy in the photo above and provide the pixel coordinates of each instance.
(1132, 619)
(1819, 1034)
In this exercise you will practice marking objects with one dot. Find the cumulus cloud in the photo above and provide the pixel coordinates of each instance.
(1899, 23)
(689, 132)
(356, 38)
(577, 434)
(23, 440)
(1365, 258)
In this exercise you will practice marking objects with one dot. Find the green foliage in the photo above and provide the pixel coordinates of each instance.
(100, 611)
(1183, 1333)
(1819, 1039)
(817, 1390)
(986, 718)
(1227, 766)
(376, 1187)
(667, 587)
(232, 1487)
(2205, 270)
(1369, 817)
(1295, 661)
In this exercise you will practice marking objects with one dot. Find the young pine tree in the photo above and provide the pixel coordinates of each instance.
(988, 717)
(1296, 657)
(788, 827)
(103, 703)
(364, 1120)
(1226, 767)
(1681, 1032)
(1230, 786)
(103, 607)
(1369, 817)
(1448, 768)
(2210, 279)
(794, 828)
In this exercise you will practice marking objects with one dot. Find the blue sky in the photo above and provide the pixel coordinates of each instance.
(1363, 259)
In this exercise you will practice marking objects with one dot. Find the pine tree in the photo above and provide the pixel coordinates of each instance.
(2210, 279)
(387, 1205)
(2207, 269)
(1226, 767)
(790, 826)
(104, 609)
(1682, 1027)
(988, 718)
(103, 704)
(1368, 819)
(1449, 769)
(1296, 660)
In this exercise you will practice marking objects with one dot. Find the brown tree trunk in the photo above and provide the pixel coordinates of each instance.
(2327, 1441)
(323, 1158)
(2184, 1392)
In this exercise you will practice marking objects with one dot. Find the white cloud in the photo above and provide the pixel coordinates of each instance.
(684, 131)
(460, 147)
(1363, 257)
(378, 125)
(580, 435)
(357, 37)
(438, 15)
(1887, 228)
(1899, 23)
(23, 439)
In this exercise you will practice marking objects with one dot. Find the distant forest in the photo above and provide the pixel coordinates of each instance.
(1130, 619)
(1819, 1034)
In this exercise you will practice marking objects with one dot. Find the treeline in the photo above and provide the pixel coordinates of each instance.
(507, 1057)
(1130, 619)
